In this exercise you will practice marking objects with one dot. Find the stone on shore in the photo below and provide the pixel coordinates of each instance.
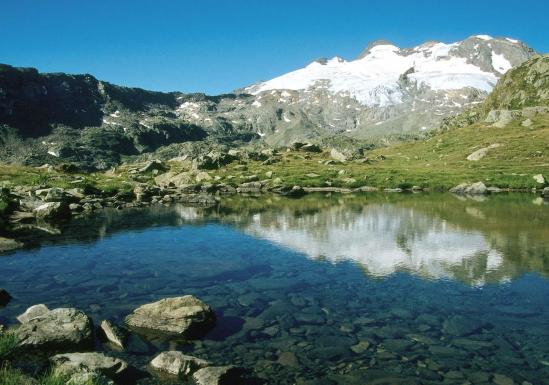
(88, 365)
(65, 328)
(53, 211)
(186, 317)
(477, 188)
(177, 364)
(7, 244)
(114, 333)
(218, 375)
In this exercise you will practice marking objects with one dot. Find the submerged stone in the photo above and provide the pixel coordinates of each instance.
(218, 375)
(461, 326)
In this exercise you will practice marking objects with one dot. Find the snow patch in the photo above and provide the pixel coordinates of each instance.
(512, 40)
(256, 104)
(500, 63)
(485, 37)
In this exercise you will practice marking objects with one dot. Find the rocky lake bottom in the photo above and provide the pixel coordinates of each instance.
(418, 288)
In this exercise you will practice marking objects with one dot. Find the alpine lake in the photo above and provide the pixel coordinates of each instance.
(324, 289)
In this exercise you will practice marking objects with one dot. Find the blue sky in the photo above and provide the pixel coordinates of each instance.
(217, 46)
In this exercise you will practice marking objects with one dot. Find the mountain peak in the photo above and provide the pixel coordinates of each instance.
(372, 45)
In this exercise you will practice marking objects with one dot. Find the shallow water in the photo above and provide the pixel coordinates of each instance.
(345, 289)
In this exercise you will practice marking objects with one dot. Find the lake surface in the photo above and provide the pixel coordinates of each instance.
(337, 289)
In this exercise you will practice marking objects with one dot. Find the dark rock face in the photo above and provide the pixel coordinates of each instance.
(31, 102)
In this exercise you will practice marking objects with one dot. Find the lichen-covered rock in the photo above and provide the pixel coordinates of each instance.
(85, 365)
(218, 375)
(177, 364)
(64, 328)
(185, 317)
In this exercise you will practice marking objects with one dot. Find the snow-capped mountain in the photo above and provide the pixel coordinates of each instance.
(388, 89)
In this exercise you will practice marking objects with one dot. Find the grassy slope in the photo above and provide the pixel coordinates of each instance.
(438, 163)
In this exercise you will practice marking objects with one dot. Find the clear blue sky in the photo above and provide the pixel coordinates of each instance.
(217, 46)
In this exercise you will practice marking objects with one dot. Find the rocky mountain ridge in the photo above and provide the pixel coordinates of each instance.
(52, 118)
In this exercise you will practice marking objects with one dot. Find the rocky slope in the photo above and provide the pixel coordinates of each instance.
(57, 118)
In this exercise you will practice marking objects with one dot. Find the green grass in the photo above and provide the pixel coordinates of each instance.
(8, 346)
(109, 184)
(12, 376)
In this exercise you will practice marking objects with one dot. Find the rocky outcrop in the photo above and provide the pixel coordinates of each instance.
(184, 317)
(65, 328)
(177, 364)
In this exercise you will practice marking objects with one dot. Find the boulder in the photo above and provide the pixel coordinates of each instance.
(540, 179)
(54, 194)
(151, 166)
(476, 188)
(545, 192)
(33, 312)
(114, 334)
(53, 211)
(310, 147)
(218, 375)
(5, 297)
(64, 328)
(249, 187)
(336, 155)
(471, 189)
(479, 154)
(79, 364)
(185, 317)
(202, 177)
(172, 179)
(177, 364)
